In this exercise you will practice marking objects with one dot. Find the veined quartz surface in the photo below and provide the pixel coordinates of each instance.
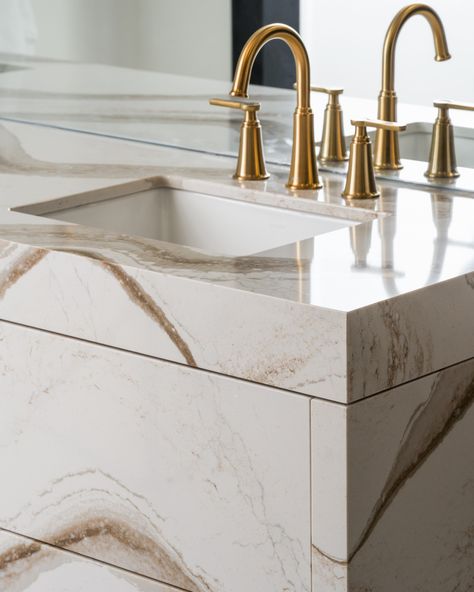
(393, 488)
(27, 565)
(192, 477)
(341, 316)
(180, 475)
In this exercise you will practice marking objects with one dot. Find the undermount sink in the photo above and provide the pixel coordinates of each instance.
(205, 222)
(415, 143)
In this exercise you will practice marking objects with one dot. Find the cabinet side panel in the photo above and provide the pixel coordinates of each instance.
(411, 486)
(194, 479)
(26, 564)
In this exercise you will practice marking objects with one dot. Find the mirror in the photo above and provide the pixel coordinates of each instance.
(142, 69)
(160, 35)
(145, 69)
(349, 52)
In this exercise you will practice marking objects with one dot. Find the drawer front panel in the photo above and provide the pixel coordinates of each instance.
(194, 479)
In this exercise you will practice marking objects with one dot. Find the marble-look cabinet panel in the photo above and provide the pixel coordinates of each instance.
(397, 489)
(191, 478)
(29, 566)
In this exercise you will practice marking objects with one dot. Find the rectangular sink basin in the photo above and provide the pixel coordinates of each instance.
(415, 143)
(208, 223)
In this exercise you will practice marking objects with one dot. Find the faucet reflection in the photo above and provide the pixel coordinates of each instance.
(361, 241)
(387, 153)
(442, 210)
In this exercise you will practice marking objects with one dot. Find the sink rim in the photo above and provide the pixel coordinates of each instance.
(296, 201)
(324, 212)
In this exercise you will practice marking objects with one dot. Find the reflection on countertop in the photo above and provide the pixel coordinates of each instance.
(405, 240)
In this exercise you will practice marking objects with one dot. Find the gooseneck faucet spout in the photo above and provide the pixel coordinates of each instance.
(386, 153)
(303, 169)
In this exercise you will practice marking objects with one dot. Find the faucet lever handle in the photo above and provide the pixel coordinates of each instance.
(442, 161)
(360, 181)
(236, 103)
(439, 104)
(250, 162)
(332, 91)
(393, 126)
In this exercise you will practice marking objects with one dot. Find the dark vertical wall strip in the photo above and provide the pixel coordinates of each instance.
(274, 66)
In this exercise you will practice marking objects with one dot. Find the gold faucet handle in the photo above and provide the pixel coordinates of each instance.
(392, 126)
(360, 181)
(332, 91)
(442, 160)
(445, 105)
(236, 103)
(250, 162)
(333, 142)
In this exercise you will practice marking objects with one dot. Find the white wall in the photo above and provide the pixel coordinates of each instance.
(190, 37)
(187, 36)
(345, 39)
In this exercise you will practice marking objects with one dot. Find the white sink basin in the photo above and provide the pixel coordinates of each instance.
(208, 223)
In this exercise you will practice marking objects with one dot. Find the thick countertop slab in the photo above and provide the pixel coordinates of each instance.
(349, 314)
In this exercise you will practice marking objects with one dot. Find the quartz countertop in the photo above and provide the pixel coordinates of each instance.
(342, 316)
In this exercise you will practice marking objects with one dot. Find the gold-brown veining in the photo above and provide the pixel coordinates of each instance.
(141, 298)
(20, 268)
(82, 536)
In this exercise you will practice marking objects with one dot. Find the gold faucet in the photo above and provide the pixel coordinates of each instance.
(360, 180)
(386, 153)
(442, 163)
(333, 143)
(303, 168)
(250, 162)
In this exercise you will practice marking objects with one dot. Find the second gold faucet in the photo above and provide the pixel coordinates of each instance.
(386, 151)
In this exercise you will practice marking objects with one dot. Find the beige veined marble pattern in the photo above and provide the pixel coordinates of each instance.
(398, 490)
(29, 566)
(167, 471)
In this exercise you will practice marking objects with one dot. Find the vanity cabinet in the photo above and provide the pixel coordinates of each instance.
(186, 476)
(210, 483)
